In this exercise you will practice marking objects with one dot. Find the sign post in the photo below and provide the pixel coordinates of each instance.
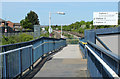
(36, 31)
(50, 31)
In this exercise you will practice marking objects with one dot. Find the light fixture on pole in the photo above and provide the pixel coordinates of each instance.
(50, 29)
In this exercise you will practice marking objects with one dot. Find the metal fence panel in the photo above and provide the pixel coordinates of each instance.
(4, 65)
(37, 51)
(13, 64)
(56, 44)
(95, 68)
(0, 66)
(26, 58)
(46, 46)
(51, 45)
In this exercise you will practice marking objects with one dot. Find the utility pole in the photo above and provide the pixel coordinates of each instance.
(61, 30)
(49, 24)
(50, 29)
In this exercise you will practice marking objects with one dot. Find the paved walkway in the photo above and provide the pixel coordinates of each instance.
(66, 63)
(71, 51)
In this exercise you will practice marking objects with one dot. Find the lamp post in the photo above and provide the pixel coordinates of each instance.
(61, 30)
(50, 29)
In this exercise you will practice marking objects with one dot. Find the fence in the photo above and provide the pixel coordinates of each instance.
(16, 58)
(102, 62)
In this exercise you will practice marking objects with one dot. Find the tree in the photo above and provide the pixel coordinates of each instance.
(33, 18)
(30, 20)
(26, 24)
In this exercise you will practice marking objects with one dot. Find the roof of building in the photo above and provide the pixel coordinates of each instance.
(44, 25)
(1, 20)
(10, 21)
(17, 24)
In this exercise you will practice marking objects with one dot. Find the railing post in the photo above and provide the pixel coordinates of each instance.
(90, 36)
(118, 67)
(7, 70)
(54, 44)
(48, 47)
(32, 58)
(42, 48)
(5, 67)
(21, 64)
(86, 52)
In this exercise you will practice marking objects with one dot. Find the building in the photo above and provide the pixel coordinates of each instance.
(17, 26)
(3, 23)
(43, 26)
(4, 27)
(10, 24)
(83, 26)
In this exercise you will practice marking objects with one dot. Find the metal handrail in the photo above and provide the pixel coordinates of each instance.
(29, 41)
(47, 42)
(107, 52)
(15, 49)
(103, 63)
(27, 47)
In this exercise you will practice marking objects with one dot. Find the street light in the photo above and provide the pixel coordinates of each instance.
(61, 31)
(62, 13)
(50, 29)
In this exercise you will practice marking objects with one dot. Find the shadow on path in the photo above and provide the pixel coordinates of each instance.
(39, 65)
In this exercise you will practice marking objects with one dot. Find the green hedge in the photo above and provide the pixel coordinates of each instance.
(16, 39)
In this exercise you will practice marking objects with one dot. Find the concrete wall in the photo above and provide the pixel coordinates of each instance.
(112, 41)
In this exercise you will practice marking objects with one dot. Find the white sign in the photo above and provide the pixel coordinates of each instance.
(36, 31)
(5, 30)
(50, 30)
(105, 18)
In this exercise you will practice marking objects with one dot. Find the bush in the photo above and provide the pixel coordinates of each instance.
(72, 41)
(16, 39)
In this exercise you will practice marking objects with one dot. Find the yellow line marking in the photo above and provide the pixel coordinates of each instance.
(83, 42)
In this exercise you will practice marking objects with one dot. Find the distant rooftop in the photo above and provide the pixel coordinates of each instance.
(1, 20)
(44, 25)
(17, 24)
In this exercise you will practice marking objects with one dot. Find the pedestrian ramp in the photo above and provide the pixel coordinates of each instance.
(68, 62)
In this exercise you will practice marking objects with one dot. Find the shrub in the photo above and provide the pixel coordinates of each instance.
(16, 39)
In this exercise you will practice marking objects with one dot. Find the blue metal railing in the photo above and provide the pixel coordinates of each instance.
(16, 58)
(110, 60)
(82, 47)
(102, 43)
(95, 68)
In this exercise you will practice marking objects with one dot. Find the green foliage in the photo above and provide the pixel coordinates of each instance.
(76, 27)
(81, 30)
(68, 35)
(44, 35)
(46, 28)
(26, 24)
(24, 37)
(33, 18)
(16, 39)
(72, 41)
(30, 20)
